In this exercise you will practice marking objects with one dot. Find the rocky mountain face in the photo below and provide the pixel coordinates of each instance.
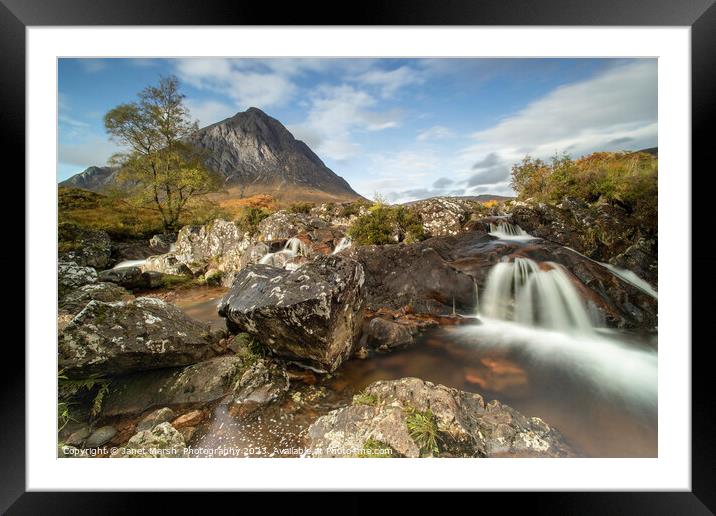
(254, 153)
(95, 179)
(252, 148)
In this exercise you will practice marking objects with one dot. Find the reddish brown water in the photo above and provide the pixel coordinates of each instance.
(596, 422)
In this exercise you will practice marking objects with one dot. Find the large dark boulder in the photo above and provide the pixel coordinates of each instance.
(312, 315)
(127, 277)
(413, 274)
(86, 247)
(107, 339)
(463, 424)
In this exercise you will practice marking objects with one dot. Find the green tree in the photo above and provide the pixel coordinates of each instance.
(163, 172)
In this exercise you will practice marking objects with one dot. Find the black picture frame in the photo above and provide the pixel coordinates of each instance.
(700, 15)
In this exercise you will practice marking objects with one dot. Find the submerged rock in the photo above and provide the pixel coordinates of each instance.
(312, 315)
(162, 441)
(261, 384)
(198, 384)
(117, 338)
(416, 418)
(100, 436)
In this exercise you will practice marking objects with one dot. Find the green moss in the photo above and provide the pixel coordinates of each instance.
(375, 449)
(171, 281)
(423, 429)
(364, 398)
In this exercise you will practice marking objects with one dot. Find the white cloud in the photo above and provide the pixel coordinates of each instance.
(335, 113)
(92, 65)
(612, 111)
(231, 78)
(437, 132)
(390, 81)
(208, 112)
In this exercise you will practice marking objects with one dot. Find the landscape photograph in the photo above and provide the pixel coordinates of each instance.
(357, 258)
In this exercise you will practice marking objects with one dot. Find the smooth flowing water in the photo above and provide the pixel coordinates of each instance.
(294, 247)
(534, 346)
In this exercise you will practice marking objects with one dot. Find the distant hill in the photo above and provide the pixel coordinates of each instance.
(654, 151)
(94, 179)
(255, 154)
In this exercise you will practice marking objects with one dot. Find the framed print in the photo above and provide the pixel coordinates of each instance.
(271, 253)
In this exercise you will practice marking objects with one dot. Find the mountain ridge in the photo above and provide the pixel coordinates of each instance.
(254, 153)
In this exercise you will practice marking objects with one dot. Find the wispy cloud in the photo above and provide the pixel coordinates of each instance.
(390, 81)
(228, 77)
(437, 132)
(335, 114)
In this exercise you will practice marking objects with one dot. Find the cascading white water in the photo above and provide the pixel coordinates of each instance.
(507, 231)
(130, 263)
(343, 243)
(522, 292)
(626, 275)
(294, 247)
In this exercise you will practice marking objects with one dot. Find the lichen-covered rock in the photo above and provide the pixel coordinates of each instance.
(641, 259)
(71, 276)
(77, 299)
(166, 264)
(162, 441)
(283, 225)
(443, 215)
(415, 275)
(117, 338)
(85, 247)
(312, 315)
(154, 418)
(261, 384)
(220, 242)
(162, 242)
(465, 426)
(602, 231)
(199, 383)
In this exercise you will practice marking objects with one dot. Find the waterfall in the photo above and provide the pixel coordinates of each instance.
(508, 231)
(294, 247)
(343, 243)
(522, 292)
(130, 263)
(626, 275)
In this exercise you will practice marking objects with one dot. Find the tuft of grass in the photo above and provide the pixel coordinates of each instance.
(364, 398)
(383, 222)
(626, 179)
(301, 207)
(71, 389)
(375, 449)
(250, 217)
(423, 429)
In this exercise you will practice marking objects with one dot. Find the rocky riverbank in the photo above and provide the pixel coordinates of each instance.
(139, 375)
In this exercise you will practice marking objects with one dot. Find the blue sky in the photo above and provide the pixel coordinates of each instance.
(404, 128)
